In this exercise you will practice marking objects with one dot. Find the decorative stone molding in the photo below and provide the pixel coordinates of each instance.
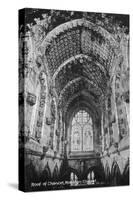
(78, 22)
(39, 123)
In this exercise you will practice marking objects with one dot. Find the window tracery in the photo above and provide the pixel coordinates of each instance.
(82, 132)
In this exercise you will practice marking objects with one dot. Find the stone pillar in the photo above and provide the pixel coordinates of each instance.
(42, 105)
(115, 125)
(102, 133)
(35, 111)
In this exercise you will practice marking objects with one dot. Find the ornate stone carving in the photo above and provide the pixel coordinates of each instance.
(42, 78)
(48, 121)
(39, 61)
(31, 99)
(53, 111)
(122, 94)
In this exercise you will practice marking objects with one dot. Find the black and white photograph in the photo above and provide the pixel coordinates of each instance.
(66, 104)
(73, 99)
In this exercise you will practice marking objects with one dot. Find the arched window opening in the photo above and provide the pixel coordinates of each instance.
(73, 179)
(91, 178)
(82, 132)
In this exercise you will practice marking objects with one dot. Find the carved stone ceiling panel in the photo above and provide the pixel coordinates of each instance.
(79, 57)
(66, 45)
(80, 68)
(79, 86)
(79, 40)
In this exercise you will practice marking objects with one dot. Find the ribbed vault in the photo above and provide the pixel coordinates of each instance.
(81, 67)
(79, 57)
(79, 86)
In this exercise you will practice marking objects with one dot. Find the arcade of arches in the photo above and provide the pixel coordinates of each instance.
(75, 98)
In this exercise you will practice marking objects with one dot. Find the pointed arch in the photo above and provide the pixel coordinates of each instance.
(107, 173)
(115, 174)
(55, 173)
(46, 174)
(126, 174)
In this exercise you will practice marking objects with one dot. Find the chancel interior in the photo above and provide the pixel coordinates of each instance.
(73, 99)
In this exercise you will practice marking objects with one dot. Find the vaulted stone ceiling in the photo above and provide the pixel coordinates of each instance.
(83, 67)
(79, 56)
(78, 86)
(85, 101)
(75, 38)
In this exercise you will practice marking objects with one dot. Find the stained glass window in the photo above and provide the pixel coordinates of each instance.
(82, 132)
